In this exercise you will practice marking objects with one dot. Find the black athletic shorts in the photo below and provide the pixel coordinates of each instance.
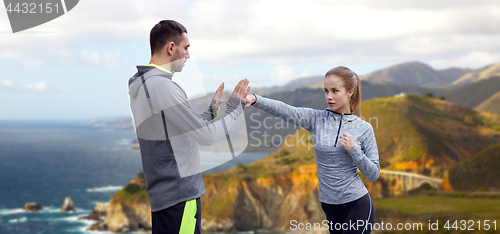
(182, 218)
(357, 216)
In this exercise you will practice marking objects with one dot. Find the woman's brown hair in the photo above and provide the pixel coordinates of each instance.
(351, 81)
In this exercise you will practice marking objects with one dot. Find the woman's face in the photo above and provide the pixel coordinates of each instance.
(336, 95)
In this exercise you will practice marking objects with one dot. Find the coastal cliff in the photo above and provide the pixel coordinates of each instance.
(128, 211)
(268, 202)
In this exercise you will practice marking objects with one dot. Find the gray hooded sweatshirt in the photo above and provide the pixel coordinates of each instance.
(339, 181)
(169, 132)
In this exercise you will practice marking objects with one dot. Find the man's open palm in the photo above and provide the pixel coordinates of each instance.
(241, 90)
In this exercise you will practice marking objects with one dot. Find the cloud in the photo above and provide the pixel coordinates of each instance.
(7, 83)
(100, 59)
(270, 32)
(317, 31)
(287, 72)
(474, 59)
(38, 87)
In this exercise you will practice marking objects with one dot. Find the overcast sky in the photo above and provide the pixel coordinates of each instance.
(77, 66)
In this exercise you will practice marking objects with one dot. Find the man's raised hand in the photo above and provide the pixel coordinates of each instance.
(217, 96)
(241, 90)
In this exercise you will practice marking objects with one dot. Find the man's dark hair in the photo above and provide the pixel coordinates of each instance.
(163, 32)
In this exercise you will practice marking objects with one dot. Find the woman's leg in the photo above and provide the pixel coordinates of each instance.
(362, 214)
(334, 216)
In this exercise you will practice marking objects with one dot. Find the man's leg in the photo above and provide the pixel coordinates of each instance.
(182, 218)
(197, 230)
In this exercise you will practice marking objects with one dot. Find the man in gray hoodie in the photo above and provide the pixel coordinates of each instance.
(169, 131)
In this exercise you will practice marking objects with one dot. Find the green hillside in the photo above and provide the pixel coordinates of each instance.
(474, 94)
(491, 104)
(424, 135)
(479, 172)
(306, 82)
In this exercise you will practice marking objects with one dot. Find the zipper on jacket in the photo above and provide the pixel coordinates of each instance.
(338, 132)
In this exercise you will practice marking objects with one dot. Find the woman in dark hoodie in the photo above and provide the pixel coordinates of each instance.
(343, 143)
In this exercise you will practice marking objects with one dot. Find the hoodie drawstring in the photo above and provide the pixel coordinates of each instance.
(340, 125)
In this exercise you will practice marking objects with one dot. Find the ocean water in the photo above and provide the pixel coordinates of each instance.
(46, 161)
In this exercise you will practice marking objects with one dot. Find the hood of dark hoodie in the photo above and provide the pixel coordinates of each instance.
(144, 72)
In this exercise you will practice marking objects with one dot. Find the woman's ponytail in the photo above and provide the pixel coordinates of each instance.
(355, 100)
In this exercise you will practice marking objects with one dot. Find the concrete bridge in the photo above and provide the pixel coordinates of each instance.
(408, 181)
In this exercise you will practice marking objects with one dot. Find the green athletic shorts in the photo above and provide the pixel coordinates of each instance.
(182, 218)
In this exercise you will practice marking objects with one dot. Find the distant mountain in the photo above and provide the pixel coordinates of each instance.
(416, 74)
(370, 90)
(472, 95)
(292, 85)
(479, 74)
(491, 104)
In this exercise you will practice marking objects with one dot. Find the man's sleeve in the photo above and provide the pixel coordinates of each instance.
(210, 113)
(169, 100)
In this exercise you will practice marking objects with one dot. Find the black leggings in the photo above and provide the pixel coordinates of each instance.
(352, 217)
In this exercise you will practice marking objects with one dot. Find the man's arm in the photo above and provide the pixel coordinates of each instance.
(210, 113)
(169, 100)
(213, 109)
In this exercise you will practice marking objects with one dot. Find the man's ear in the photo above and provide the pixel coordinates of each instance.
(170, 47)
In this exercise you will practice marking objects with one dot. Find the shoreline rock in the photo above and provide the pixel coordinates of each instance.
(32, 206)
(128, 211)
(98, 213)
(68, 205)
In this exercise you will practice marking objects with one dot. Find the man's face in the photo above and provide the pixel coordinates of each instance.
(181, 54)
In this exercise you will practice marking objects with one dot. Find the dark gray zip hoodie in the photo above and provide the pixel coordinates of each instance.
(339, 181)
(169, 132)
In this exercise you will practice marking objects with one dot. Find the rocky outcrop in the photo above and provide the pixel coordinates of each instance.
(99, 213)
(127, 217)
(32, 206)
(68, 205)
(128, 211)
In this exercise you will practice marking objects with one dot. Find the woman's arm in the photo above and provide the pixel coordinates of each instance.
(366, 156)
(300, 116)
